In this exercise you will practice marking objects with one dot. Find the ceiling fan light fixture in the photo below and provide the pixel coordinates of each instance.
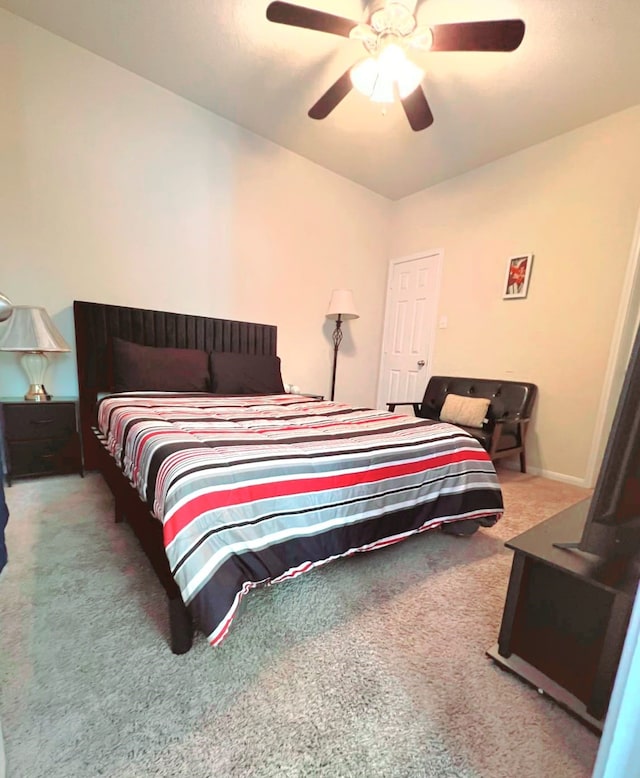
(369, 79)
(383, 91)
(366, 35)
(410, 80)
(364, 75)
(406, 74)
(377, 78)
(421, 39)
(393, 17)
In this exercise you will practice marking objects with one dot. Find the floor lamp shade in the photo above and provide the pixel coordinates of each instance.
(31, 333)
(341, 308)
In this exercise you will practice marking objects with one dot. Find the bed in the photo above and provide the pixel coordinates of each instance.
(230, 483)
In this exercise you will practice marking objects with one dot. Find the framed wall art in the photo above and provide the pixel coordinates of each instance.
(516, 283)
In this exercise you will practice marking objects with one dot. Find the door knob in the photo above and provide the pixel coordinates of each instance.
(421, 363)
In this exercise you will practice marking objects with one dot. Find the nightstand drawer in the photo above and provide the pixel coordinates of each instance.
(37, 457)
(40, 421)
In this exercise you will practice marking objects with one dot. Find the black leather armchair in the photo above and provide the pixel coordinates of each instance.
(504, 431)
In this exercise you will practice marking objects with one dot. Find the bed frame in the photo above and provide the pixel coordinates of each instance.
(95, 324)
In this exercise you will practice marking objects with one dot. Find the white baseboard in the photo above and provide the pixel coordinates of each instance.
(567, 479)
(550, 474)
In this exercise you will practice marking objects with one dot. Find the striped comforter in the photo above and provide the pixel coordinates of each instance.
(258, 489)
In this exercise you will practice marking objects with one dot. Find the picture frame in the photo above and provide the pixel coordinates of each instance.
(516, 282)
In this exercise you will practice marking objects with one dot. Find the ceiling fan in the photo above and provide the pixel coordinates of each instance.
(390, 33)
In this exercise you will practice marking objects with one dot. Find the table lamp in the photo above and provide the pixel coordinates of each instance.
(31, 332)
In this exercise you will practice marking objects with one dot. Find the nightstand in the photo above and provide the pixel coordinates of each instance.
(40, 438)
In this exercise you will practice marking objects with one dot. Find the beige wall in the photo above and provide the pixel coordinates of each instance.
(115, 190)
(573, 202)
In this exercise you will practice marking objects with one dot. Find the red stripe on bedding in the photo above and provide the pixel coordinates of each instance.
(224, 498)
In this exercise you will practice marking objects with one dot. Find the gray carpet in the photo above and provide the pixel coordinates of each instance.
(370, 666)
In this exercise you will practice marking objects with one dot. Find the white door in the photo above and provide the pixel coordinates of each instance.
(409, 328)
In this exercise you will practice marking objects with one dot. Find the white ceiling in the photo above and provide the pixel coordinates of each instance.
(579, 61)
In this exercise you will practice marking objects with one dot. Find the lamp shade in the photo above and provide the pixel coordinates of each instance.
(341, 305)
(6, 307)
(31, 329)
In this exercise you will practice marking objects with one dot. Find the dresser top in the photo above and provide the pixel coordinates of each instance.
(54, 399)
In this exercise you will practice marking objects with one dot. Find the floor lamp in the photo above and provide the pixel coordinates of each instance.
(341, 308)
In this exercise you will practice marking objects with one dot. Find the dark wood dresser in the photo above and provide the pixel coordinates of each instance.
(40, 438)
(565, 616)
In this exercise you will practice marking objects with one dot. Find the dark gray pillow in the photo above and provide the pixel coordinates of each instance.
(245, 373)
(139, 368)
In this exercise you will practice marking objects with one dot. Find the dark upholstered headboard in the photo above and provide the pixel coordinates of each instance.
(96, 323)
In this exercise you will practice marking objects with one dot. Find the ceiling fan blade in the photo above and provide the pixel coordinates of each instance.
(503, 35)
(334, 95)
(417, 109)
(298, 16)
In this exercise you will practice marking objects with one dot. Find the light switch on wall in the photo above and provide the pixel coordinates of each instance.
(443, 323)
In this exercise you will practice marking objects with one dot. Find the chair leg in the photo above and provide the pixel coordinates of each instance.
(523, 462)
(522, 431)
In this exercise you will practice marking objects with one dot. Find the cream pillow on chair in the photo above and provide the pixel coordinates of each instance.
(464, 411)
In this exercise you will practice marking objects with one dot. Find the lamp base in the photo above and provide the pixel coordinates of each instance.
(35, 364)
(37, 393)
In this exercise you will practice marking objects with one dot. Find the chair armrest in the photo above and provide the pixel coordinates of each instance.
(512, 420)
(416, 406)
